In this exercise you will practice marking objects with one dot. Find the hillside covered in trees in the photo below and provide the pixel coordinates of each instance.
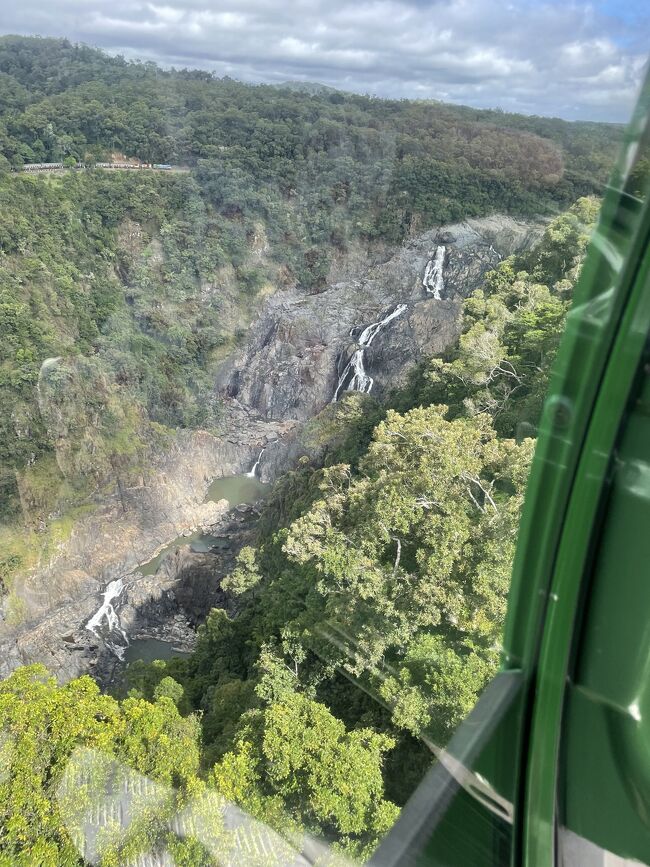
(366, 617)
(144, 283)
(58, 99)
(369, 612)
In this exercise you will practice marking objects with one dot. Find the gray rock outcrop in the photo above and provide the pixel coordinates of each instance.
(286, 372)
(297, 348)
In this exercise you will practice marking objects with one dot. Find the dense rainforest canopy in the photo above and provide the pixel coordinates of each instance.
(370, 608)
(369, 611)
(58, 99)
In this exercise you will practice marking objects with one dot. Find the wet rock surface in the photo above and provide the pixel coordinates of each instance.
(61, 596)
(168, 605)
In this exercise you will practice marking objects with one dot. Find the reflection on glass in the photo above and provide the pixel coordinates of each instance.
(206, 287)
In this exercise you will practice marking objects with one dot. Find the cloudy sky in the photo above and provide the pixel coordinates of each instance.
(573, 59)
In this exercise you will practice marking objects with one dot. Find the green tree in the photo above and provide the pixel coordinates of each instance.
(42, 724)
(246, 574)
(389, 550)
(294, 764)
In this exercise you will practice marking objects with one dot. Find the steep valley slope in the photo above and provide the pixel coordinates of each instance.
(299, 354)
(163, 329)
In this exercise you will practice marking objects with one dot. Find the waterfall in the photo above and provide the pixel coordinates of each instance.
(49, 362)
(360, 381)
(433, 280)
(105, 622)
(253, 471)
(496, 253)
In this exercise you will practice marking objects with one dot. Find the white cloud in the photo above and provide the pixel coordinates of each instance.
(167, 14)
(222, 20)
(544, 57)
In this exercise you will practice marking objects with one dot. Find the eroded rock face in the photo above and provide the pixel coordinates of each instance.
(167, 605)
(124, 531)
(286, 372)
(299, 345)
(60, 596)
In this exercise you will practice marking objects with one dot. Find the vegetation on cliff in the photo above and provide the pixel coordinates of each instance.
(132, 287)
(369, 612)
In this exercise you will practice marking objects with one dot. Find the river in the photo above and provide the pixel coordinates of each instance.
(105, 623)
(236, 489)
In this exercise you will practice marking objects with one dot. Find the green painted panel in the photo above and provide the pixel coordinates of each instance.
(605, 776)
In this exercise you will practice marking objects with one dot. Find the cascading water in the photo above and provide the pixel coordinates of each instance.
(49, 362)
(105, 622)
(253, 471)
(360, 381)
(433, 280)
(496, 253)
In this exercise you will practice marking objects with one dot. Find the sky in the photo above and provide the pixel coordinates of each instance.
(577, 60)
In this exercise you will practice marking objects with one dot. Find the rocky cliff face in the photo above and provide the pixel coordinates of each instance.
(168, 605)
(59, 597)
(299, 345)
(287, 371)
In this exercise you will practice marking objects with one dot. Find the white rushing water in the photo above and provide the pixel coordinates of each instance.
(105, 622)
(433, 280)
(252, 473)
(360, 380)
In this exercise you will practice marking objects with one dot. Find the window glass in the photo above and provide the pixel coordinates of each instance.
(274, 352)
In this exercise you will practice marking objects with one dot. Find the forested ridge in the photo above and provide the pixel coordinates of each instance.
(59, 99)
(369, 611)
(140, 285)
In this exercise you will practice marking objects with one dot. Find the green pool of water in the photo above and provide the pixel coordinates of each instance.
(151, 567)
(237, 489)
(148, 649)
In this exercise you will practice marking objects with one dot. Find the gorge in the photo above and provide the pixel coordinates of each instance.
(266, 425)
(297, 358)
